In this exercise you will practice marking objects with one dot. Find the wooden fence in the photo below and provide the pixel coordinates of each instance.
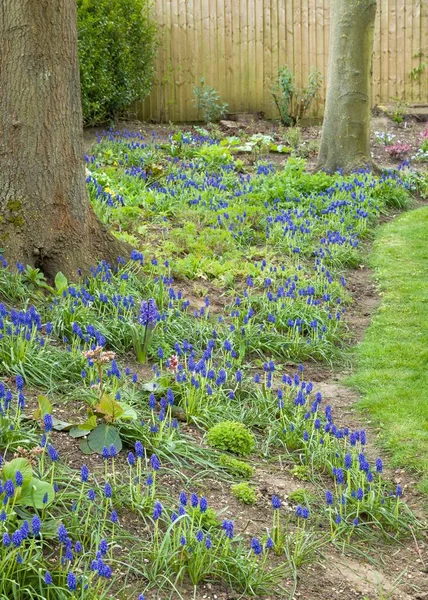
(238, 46)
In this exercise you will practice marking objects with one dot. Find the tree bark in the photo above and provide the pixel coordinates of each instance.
(345, 141)
(45, 216)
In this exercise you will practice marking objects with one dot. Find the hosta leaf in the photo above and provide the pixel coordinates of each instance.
(18, 464)
(104, 436)
(34, 494)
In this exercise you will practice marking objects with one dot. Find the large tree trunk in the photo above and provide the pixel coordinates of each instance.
(345, 139)
(45, 216)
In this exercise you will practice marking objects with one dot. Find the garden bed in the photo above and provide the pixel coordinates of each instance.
(247, 287)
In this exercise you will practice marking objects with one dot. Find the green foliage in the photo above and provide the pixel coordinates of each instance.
(398, 111)
(301, 496)
(116, 54)
(244, 493)
(293, 103)
(231, 436)
(236, 467)
(207, 101)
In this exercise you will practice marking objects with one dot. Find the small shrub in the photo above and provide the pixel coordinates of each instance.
(207, 101)
(398, 151)
(236, 467)
(293, 103)
(232, 436)
(244, 493)
(116, 41)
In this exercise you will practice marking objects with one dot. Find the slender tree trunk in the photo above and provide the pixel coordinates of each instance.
(345, 139)
(45, 215)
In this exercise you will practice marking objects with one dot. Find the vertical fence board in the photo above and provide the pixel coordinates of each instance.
(238, 46)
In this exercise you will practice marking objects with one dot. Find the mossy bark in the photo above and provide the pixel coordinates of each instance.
(345, 142)
(45, 215)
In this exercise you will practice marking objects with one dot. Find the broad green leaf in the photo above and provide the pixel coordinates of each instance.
(104, 436)
(109, 407)
(61, 282)
(59, 425)
(45, 408)
(128, 412)
(34, 493)
(84, 428)
(18, 464)
(84, 446)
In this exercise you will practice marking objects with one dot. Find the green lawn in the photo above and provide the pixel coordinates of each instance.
(392, 361)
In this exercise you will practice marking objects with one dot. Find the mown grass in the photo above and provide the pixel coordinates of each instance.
(392, 360)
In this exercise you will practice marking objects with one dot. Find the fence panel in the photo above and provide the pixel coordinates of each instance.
(238, 45)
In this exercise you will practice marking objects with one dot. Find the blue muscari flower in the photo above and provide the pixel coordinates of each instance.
(6, 540)
(155, 462)
(84, 474)
(348, 461)
(203, 504)
(152, 401)
(183, 499)
(379, 465)
(48, 578)
(149, 480)
(194, 500)
(62, 534)
(131, 459)
(256, 546)
(360, 494)
(139, 450)
(329, 497)
(9, 488)
(157, 512)
(53, 454)
(398, 491)
(112, 451)
(91, 495)
(363, 437)
(355, 521)
(3, 515)
(36, 525)
(276, 502)
(19, 479)
(19, 382)
(78, 547)
(208, 543)
(114, 517)
(183, 540)
(134, 378)
(228, 528)
(103, 547)
(199, 536)
(108, 492)
(338, 519)
(47, 423)
(299, 511)
(71, 581)
(17, 538)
